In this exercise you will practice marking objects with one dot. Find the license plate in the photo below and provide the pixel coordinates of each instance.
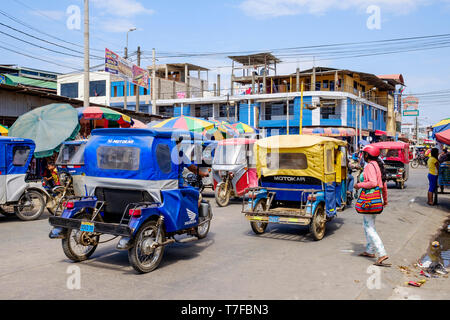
(274, 219)
(87, 227)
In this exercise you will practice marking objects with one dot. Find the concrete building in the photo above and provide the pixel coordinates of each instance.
(28, 78)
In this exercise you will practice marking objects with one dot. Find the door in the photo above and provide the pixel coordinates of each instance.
(17, 161)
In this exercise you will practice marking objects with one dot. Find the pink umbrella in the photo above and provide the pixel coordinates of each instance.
(138, 125)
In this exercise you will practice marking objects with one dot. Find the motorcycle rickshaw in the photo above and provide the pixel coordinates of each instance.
(233, 169)
(301, 181)
(70, 163)
(396, 161)
(133, 191)
(17, 196)
(208, 152)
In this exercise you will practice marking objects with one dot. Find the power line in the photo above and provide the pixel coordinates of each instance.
(49, 42)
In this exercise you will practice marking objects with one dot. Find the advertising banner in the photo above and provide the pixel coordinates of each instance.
(118, 66)
(140, 77)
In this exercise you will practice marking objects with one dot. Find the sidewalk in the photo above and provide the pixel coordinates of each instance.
(429, 223)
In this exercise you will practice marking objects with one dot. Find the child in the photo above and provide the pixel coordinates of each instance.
(52, 180)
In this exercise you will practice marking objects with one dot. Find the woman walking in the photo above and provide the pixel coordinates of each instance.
(433, 171)
(373, 183)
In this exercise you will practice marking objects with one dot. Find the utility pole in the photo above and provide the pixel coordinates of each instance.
(417, 130)
(138, 88)
(154, 83)
(125, 91)
(86, 54)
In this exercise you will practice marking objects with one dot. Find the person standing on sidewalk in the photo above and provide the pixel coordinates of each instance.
(373, 176)
(433, 171)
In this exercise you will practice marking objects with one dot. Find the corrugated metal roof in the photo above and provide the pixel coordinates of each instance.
(15, 80)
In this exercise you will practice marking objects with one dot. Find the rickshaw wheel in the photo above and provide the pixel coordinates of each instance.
(414, 164)
(318, 223)
(259, 227)
(73, 249)
(37, 206)
(222, 198)
(142, 257)
(202, 231)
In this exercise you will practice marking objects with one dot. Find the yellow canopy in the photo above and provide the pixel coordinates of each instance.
(298, 155)
(3, 130)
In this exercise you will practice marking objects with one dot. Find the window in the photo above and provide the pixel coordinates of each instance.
(290, 161)
(223, 113)
(118, 158)
(376, 114)
(163, 158)
(278, 111)
(71, 154)
(325, 84)
(167, 111)
(205, 111)
(318, 85)
(326, 112)
(332, 88)
(69, 90)
(115, 91)
(329, 161)
(97, 88)
(20, 155)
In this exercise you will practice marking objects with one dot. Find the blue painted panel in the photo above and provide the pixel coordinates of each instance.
(186, 110)
(330, 122)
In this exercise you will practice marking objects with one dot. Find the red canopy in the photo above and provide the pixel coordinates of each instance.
(443, 137)
(380, 133)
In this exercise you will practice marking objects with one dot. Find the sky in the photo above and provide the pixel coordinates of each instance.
(236, 25)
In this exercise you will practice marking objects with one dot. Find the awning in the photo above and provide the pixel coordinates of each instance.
(443, 137)
(330, 131)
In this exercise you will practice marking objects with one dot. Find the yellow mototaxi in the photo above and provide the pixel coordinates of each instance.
(302, 180)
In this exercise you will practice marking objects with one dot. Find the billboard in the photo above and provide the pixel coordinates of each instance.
(411, 103)
(125, 69)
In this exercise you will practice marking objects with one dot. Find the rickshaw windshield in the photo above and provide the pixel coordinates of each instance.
(229, 154)
(290, 161)
(390, 153)
(20, 155)
(118, 158)
(71, 154)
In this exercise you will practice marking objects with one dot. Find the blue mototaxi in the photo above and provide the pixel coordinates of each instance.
(70, 161)
(27, 199)
(133, 191)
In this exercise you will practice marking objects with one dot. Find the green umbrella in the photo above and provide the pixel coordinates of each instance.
(48, 127)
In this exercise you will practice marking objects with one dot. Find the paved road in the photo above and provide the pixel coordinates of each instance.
(232, 262)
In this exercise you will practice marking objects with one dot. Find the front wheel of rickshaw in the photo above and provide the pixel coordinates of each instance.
(222, 194)
(80, 245)
(318, 223)
(202, 230)
(257, 226)
(143, 256)
(31, 205)
(414, 164)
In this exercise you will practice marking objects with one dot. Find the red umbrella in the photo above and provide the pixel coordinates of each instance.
(444, 137)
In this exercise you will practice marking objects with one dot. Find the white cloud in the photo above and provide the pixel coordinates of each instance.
(276, 8)
(122, 8)
(115, 25)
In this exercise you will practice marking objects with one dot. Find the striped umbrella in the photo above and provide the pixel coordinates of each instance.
(441, 126)
(3, 130)
(99, 113)
(186, 123)
(443, 137)
(244, 128)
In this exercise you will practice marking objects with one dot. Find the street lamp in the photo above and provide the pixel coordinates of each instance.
(126, 48)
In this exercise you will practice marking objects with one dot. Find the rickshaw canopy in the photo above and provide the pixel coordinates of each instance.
(392, 150)
(298, 155)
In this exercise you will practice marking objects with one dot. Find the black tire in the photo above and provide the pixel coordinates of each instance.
(7, 211)
(73, 237)
(259, 227)
(137, 258)
(317, 227)
(31, 206)
(414, 164)
(202, 231)
(222, 198)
